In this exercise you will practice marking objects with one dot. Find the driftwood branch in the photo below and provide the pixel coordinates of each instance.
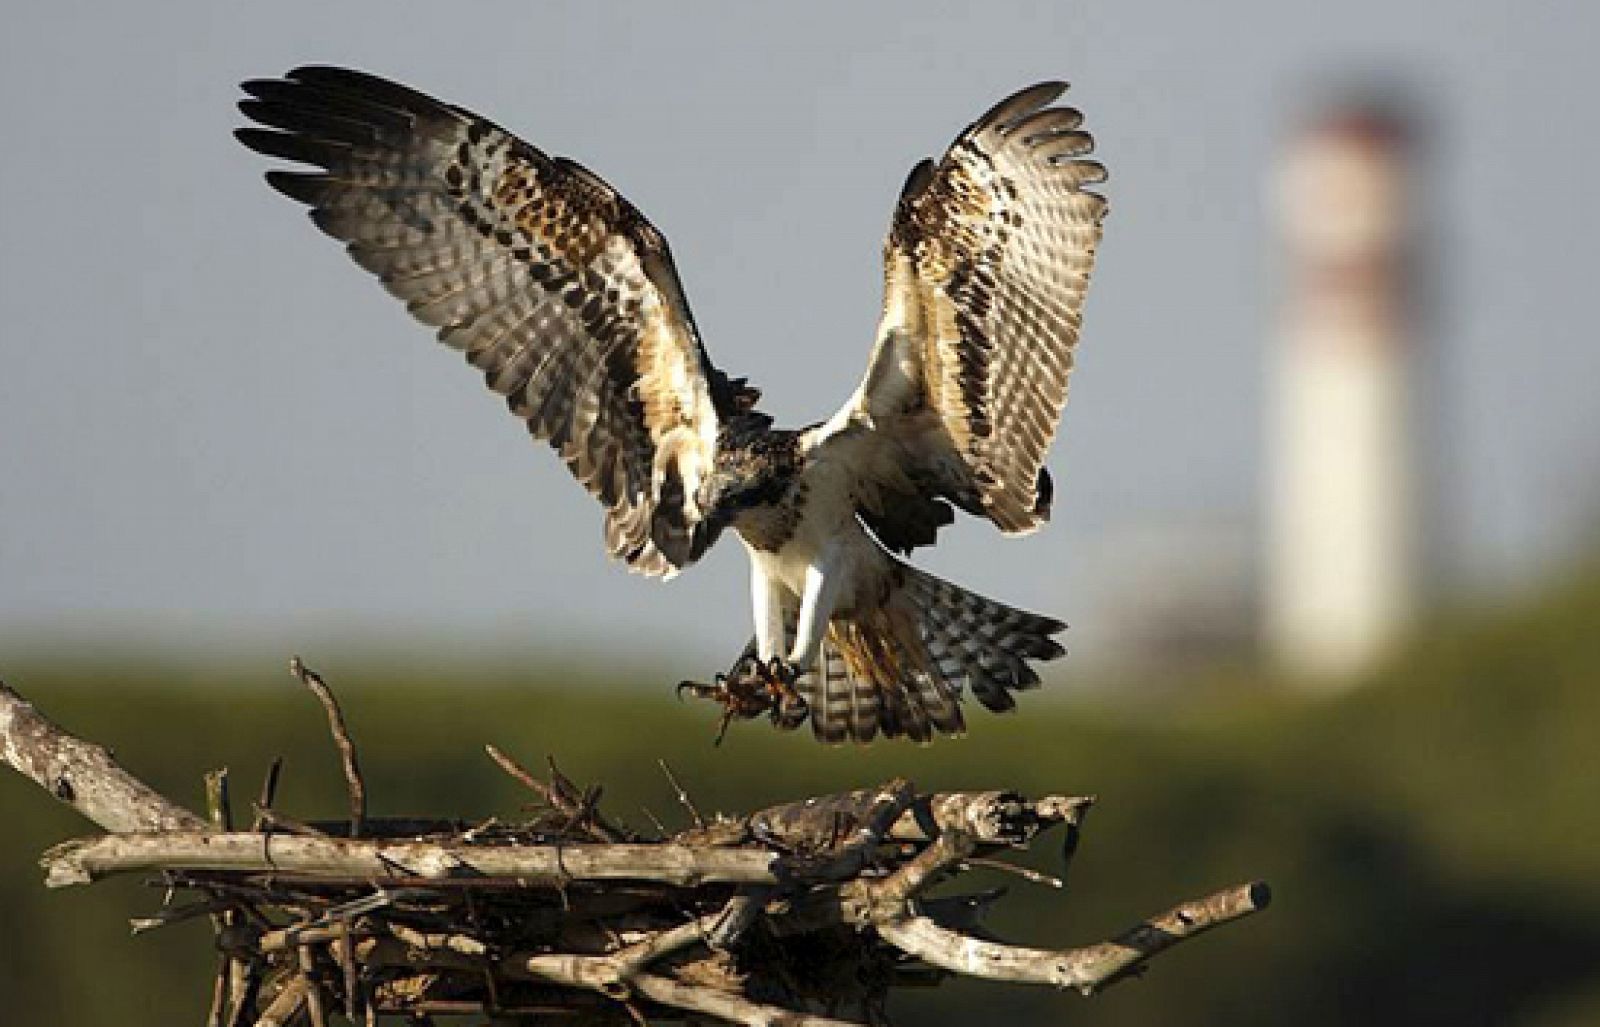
(1086, 969)
(568, 913)
(83, 861)
(81, 774)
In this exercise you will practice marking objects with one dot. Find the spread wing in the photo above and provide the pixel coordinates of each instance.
(985, 270)
(553, 285)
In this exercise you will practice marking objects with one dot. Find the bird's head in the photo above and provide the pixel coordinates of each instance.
(753, 467)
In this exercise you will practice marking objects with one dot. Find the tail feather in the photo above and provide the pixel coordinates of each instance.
(843, 706)
(989, 642)
(902, 670)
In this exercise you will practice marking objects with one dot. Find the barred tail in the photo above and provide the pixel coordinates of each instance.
(902, 670)
(981, 644)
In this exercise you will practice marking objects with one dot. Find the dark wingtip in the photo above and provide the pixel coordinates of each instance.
(1044, 490)
(324, 73)
(917, 180)
(304, 187)
(366, 86)
(1024, 101)
(289, 146)
(262, 88)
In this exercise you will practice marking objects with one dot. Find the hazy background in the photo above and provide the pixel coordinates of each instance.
(218, 432)
(221, 443)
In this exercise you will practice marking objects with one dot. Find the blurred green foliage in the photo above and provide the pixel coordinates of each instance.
(1433, 839)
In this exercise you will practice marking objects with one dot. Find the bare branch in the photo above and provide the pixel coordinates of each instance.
(523, 777)
(315, 1004)
(893, 892)
(1087, 969)
(738, 916)
(219, 991)
(341, 738)
(1026, 873)
(269, 792)
(683, 796)
(81, 774)
(556, 796)
(283, 1009)
(361, 860)
(218, 806)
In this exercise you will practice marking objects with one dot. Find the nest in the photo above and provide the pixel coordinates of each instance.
(811, 912)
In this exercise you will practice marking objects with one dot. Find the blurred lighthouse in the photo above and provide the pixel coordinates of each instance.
(1341, 569)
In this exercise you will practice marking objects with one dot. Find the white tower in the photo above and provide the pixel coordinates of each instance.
(1340, 575)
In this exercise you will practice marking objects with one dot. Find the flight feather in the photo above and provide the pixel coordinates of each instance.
(986, 266)
(552, 284)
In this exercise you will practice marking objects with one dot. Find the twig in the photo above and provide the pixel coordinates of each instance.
(246, 981)
(555, 796)
(219, 991)
(353, 997)
(655, 821)
(738, 916)
(1026, 873)
(437, 942)
(341, 738)
(272, 820)
(175, 915)
(518, 771)
(269, 791)
(314, 999)
(683, 796)
(218, 807)
(283, 1010)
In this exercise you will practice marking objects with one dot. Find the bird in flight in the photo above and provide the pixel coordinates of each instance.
(566, 298)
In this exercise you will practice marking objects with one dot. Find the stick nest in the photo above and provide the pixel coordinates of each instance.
(811, 912)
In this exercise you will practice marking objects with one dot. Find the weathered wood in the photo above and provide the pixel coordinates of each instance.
(1086, 969)
(432, 916)
(361, 860)
(354, 782)
(81, 774)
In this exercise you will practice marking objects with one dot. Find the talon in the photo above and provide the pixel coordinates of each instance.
(788, 707)
(746, 692)
(722, 728)
(695, 688)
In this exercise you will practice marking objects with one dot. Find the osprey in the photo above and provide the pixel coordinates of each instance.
(566, 298)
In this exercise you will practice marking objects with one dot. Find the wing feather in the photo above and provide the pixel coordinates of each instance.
(985, 270)
(547, 280)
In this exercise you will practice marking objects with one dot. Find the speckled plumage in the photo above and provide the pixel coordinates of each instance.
(566, 298)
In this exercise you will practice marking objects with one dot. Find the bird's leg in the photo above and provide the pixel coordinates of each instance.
(761, 680)
(823, 579)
